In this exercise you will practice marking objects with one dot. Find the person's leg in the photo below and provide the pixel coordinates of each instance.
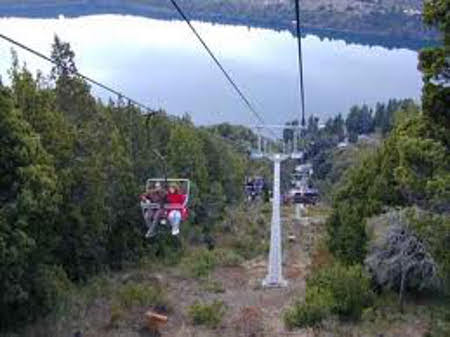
(175, 220)
(152, 222)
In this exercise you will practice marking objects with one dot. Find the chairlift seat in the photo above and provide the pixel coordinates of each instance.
(256, 155)
(168, 208)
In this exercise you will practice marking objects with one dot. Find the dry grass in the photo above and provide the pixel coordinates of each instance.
(106, 308)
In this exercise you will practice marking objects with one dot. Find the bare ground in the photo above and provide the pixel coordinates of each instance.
(252, 311)
(243, 292)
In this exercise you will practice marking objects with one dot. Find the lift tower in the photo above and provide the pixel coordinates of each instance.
(274, 278)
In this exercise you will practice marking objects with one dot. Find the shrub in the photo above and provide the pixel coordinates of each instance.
(340, 290)
(439, 323)
(400, 260)
(200, 263)
(350, 289)
(347, 235)
(116, 314)
(213, 286)
(310, 313)
(434, 230)
(134, 294)
(51, 286)
(227, 257)
(246, 231)
(207, 314)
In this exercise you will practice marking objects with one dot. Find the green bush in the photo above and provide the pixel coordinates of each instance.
(200, 262)
(346, 233)
(434, 230)
(227, 257)
(213, 286)
(51, 286)
(246, 230)
(350, 289)
(439, 323)
(116, 315)
(310, 313)
(135, 294)
(339, 290)
(207, 314)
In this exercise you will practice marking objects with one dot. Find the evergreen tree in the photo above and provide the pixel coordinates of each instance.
(29, 203)
(435, 65)
(359, 121)
(71, 170)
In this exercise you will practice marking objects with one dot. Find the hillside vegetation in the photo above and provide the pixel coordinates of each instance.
(71, 171)
(388, 18)
(389, 226)
(372, 259)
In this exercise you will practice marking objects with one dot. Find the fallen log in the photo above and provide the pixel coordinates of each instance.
(155, 321)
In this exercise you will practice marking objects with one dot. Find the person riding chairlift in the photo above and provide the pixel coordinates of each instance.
(156, 196)
(177, 211)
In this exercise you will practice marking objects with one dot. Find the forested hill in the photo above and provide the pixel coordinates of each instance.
(71, 171)
(388, 18)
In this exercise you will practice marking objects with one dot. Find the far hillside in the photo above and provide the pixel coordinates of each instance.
(387, 18)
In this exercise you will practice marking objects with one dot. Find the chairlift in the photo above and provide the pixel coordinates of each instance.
(254, 187)
(297, 155)
(307, 196)
(163, 209)
(256, 155)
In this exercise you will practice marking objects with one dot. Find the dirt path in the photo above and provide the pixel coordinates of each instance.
(243, 293)
(252, 311)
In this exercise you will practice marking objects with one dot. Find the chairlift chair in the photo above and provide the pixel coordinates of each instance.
(297, 155)
(171, 214)
(254, 187)
(256, 155)
(308, 196)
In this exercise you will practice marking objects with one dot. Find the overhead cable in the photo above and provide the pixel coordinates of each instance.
(216, 61)
(300, 62)
(149, 110)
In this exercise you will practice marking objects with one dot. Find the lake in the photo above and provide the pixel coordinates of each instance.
(161, 64)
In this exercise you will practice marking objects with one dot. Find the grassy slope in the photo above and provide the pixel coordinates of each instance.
(114, 305)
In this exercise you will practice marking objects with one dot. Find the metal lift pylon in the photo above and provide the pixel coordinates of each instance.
(274, 278)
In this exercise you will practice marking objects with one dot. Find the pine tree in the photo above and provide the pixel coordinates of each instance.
(29, 203)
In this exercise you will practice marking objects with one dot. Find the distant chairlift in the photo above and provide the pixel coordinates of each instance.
(165, 204)
(306, 196)
(254, 187)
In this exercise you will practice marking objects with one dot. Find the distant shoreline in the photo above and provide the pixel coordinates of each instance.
(85, 8)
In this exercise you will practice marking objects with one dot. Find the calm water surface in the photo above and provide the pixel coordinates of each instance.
(161, 64)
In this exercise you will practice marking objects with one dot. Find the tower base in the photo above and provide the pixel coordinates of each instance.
(268, 282)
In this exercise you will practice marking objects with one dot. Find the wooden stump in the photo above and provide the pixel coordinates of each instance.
(155, 321)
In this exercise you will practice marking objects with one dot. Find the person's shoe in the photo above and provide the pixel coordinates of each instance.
(175, 231)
